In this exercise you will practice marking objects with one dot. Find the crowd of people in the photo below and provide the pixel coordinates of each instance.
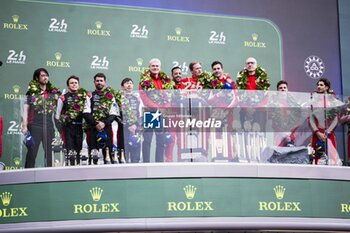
(79, 111)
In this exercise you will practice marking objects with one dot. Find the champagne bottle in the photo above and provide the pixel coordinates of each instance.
(69, 158)
(122, 156)
(94, 156)
(73, 157)
(100, 157)
(108, 158)
(115, 155)
(84, 157)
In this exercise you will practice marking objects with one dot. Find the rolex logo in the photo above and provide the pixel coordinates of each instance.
(279, 191)
(15, 25)
(16, 88)
(96, 193)
(138, 66)
(189, 204)
(58, 56)
(254, 43)
(96, 208)
(98, 24)
(58, 62)
(139, 61)
(290, 206)
(190, 191)
(97, 31)
(17, 161)
(178, 37)
(6, 198)
(255, 36)
(11, 212)
(178, 31)
(15, 18)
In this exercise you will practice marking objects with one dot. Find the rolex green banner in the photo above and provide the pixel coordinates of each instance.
(157, 198)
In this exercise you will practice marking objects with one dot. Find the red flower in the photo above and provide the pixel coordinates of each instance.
(109, 96)
(76, 107)
(147, 83)
(215, 83)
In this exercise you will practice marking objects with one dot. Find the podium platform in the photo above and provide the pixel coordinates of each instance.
(175, 197)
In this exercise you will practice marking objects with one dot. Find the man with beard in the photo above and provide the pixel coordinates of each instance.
(99, 112)
(37, 118)
(284, 116)
(175, 112)
(176, 74)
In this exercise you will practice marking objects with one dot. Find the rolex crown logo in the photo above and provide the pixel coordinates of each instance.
(15, 18)
(58, 56)
(139, 61)
(255, 36)
(17, 161)
(279, 191)
(96, 193)
(16, 88)
(6, 198)
(190, 191)
(98, 24)
(178, 31)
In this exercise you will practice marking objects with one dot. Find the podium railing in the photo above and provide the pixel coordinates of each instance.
(195, 126)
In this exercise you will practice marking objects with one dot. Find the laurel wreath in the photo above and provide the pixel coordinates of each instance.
(262, 79)
(75, 108)
(106, 99)
(209, 81)
(43, 104)
(147, 84)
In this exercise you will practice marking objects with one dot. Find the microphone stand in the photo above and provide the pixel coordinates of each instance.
(312, 110)
(325, 125)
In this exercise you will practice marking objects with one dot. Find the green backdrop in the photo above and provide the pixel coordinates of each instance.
(85, 39)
